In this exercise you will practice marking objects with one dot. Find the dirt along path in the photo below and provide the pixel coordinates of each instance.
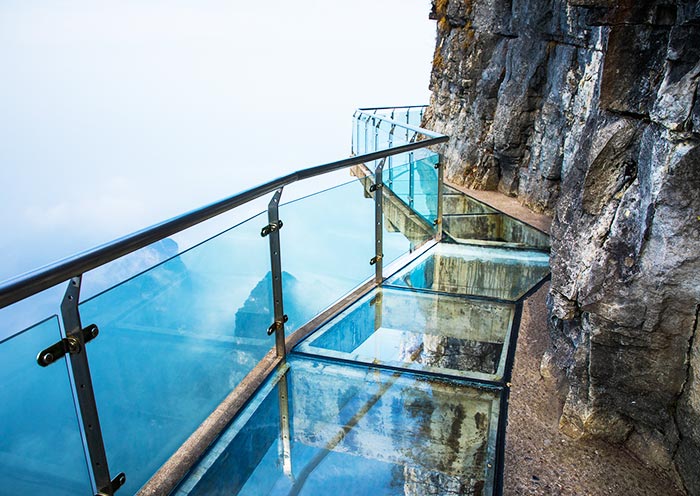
(540, 459)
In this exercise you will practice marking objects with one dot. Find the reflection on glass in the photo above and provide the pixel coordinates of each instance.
(373, 132)
(466, 219)
(174, 341)
(415, 182)
(357, 431)
(399, 219)
(473, 270)
(494, 228)
(420, 331)
(456, 202)
(41, 451)
(327, 243)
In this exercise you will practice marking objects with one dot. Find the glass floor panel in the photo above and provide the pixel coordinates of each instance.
(469, 221)
(475, 270)
(439, 333)
(355, 430)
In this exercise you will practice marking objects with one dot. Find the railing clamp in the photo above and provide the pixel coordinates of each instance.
(376, 259)
(270, 228)
(438, 165)
(69, 345)
(436, 222)
(375, 187)
(277, 324)
(116, 483)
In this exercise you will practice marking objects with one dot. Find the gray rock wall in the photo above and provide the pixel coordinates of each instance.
(588, 110)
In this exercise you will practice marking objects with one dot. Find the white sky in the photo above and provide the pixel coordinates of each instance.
(118, 115)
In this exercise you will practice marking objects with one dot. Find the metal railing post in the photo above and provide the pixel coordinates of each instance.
(355, 136)
(366, 137)
(273, 230)
(391, 144)
(378, 223)
(376, 134)
(440, 199)
(376, 302)
(411, 179)
(84, 392)
(285, 448)
(408, 121)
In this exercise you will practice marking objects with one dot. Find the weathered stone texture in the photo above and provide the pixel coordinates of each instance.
(588, 110)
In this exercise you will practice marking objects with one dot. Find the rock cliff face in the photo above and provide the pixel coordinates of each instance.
(589, 110)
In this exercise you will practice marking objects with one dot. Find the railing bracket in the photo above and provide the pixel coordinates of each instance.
(376, 259)
(70, 345)
(270, 228)
(277, 324)
(375, 187)
(116, 483)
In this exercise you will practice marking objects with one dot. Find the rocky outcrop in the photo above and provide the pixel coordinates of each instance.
(588, 110)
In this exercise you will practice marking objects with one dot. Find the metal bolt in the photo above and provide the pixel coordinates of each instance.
(73, 345)
(48, 358)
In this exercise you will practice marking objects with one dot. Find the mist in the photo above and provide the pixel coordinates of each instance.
(118, 115)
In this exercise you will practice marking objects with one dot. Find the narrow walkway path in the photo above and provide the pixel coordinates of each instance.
(539, 458)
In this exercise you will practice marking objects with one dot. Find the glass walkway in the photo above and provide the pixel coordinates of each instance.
(356, 341)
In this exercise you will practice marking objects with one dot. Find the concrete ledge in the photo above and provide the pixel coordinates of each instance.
(166, 479)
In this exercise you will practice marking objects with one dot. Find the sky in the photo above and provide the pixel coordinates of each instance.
(118, 115)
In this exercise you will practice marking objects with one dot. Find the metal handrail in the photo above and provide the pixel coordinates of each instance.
(410, 127)
(393, 108)
(31, 283)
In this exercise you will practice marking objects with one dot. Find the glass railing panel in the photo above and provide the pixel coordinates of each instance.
(394, 170)
(373, 133)
(403, 434)
(379, 135)
(175, 341)
(400, 222)
(386, 136)
(235, 460)
(426, 187)
(415, 182)
(415, 115)
(370, 133)
(327, 244)
(449, 335)
(41, 450)
(500, 273)
(412, 116)
(365, 138)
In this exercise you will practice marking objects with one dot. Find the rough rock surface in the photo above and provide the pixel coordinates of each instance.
(588, 110)
(540, 459)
